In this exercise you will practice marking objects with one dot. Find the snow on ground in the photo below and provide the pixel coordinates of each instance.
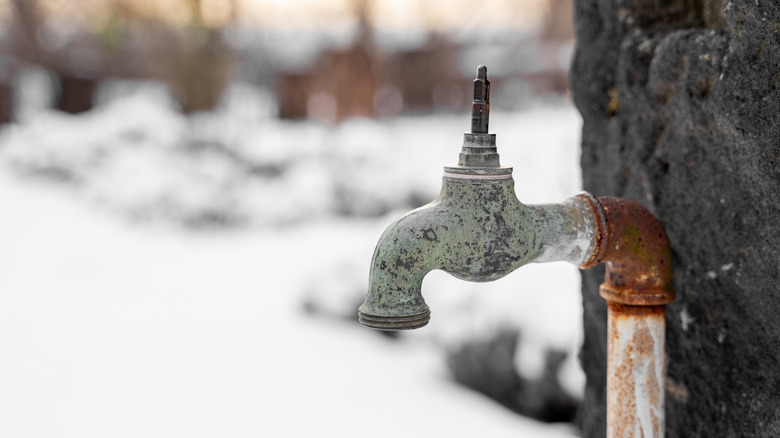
(111, 328)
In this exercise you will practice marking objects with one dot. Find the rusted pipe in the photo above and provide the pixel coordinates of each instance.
(637, 286)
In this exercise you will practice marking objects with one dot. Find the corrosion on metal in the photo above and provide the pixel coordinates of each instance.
(637, 254)
(637, 285)
(635, 371)
(600, 227)
(476, 230)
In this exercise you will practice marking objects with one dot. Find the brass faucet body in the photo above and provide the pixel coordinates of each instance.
(476, 230)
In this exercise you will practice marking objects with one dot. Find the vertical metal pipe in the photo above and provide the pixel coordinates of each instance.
(637, 287)
(635, 371)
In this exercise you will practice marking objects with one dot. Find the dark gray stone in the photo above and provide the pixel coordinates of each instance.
(681, 109)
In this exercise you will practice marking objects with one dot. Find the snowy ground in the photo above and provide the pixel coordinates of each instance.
(111, 326)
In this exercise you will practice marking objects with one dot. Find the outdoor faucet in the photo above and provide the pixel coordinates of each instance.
(477, 230)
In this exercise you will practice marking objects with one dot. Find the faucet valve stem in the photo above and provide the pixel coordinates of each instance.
(479, 151)
(480, 106)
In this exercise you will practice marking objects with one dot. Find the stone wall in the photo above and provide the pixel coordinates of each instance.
(681, 109)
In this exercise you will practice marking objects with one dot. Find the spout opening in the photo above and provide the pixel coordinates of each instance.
(406, 322)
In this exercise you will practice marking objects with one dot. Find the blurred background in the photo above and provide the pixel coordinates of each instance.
(192, 190)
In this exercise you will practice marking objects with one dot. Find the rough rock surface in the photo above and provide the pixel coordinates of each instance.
(681, 108)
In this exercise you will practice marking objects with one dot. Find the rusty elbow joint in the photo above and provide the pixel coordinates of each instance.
(636, 251)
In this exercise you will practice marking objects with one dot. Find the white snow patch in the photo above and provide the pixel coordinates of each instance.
(126, 332)
(153, 331)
